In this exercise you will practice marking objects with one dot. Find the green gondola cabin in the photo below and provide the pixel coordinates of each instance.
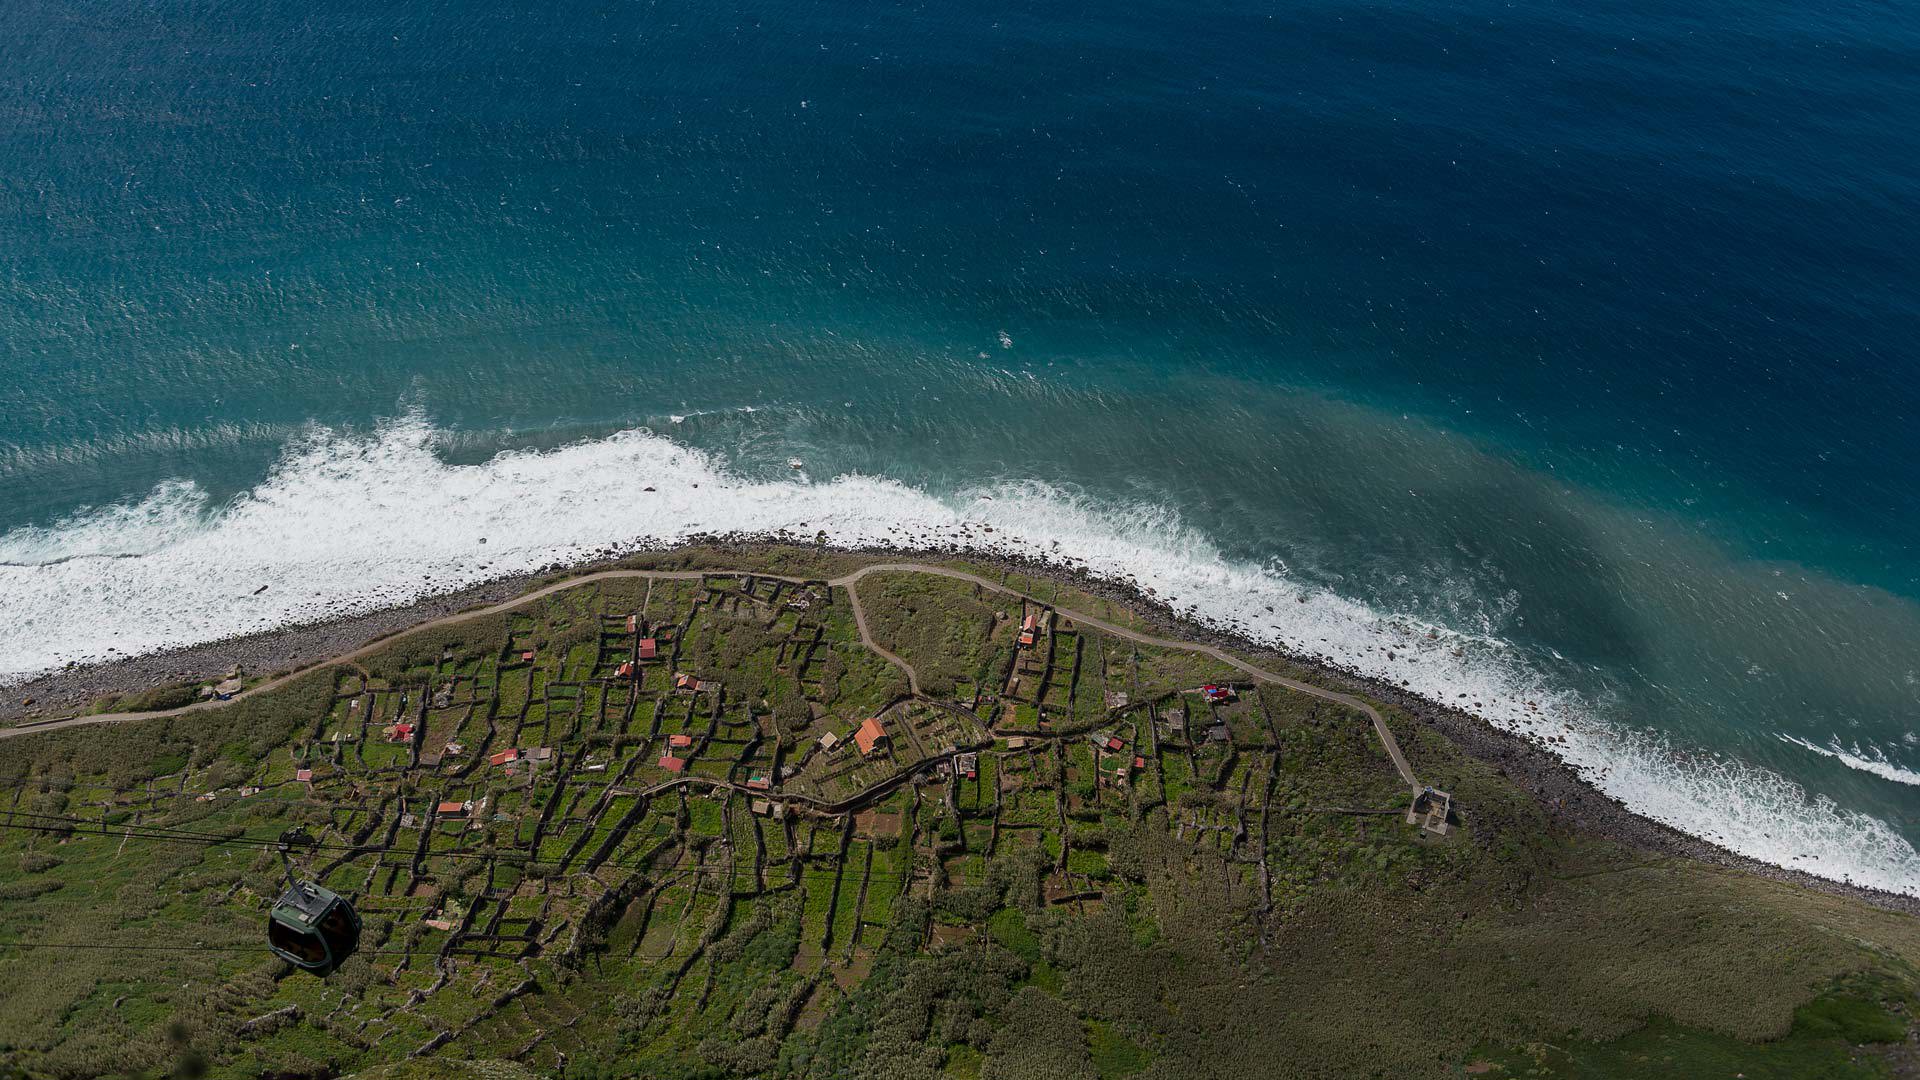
(313, 928)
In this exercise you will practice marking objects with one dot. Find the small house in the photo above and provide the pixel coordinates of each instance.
(504, 757)
(1216, 695)
(870, 736)
(400, 733)
(649, 648)
(686, 682)
(680, 741)
(456, 810)
(673, 764)
(633, 624)
(540, 753)
(624, 671)
(527, 656)
(305, 776)
(758, 783)
(829, 741)
(762, 807)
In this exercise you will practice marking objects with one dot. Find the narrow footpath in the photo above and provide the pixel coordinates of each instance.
(848, 583)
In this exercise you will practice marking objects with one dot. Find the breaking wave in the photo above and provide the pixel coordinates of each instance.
(1869, 760)
(346, 524)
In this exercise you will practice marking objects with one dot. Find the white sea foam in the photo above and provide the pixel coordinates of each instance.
(1865, 759)
(348, 524)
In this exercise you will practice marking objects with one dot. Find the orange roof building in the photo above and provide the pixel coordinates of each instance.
(505, 757)
(870, 735)
(679, 740)
(649, 648)
(673, 764)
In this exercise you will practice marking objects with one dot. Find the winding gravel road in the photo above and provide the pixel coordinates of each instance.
(847, 582)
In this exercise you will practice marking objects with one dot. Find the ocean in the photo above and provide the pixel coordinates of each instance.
(1556, 360)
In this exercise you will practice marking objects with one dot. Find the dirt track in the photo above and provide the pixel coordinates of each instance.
(847, 582)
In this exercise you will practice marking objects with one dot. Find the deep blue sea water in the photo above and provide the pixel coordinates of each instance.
(1579, 336)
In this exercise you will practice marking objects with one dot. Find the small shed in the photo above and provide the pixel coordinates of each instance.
(673, 764)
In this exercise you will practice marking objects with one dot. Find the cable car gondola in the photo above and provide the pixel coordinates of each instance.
(312, 927)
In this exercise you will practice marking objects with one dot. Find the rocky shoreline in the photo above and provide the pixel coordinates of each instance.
(1570, 801)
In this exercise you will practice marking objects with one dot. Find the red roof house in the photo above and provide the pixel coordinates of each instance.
(649, 648)
(399, 732)
(758, 783)
(527, 656)
(1217, 694)
(1114, 743)
(1139, 762)
(624, 671)
(504, 757)
(303, 775)
(870, 735)
(633, 624)
(684, 681)
(679, 740)
(673, 764)
(452, 809)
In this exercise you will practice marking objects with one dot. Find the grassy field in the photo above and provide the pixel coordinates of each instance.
(1218, 911)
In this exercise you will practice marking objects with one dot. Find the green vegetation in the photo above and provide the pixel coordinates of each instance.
(1114, 1055)
(1232, 891)
(1840, 1035)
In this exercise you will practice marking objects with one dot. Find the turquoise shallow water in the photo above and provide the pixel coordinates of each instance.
(1577, 335)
